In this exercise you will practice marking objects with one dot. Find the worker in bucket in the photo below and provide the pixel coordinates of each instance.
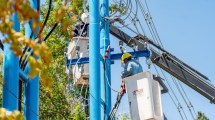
(131, 66)
(81, 28)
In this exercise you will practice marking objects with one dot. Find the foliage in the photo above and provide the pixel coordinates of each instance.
(17, 39)
(118, 8)
(54, 101)
(123, 117)
(201, 116)
(26, 13)
(1, 63)
(15, 115)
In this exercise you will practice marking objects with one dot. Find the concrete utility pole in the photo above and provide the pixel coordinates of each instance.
(94, 60)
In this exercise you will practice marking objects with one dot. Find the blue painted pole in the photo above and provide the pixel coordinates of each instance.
(11, 74)
(105, 42)
(102, 53)
(31, 90)
(94, 60)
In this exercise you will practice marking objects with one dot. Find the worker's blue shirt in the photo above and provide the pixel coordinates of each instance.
(132, 67)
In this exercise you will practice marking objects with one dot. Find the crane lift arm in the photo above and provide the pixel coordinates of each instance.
(170, 64)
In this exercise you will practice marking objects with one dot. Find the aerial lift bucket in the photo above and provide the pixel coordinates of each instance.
(144, 96)
(80, 73)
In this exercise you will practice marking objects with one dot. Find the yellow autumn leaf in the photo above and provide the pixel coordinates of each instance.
(36, 50)
(59, 14)
(32, 63)
(39, 65)
(32, 44)
(2, 112)
(33, 72)
(21, 39)
(45, 53)
(17, 34)
(1, 57)
(18, 53)
(74, 18)
(65, 24)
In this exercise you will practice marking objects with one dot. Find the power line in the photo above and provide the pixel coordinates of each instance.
(154, 37)
(174, 94)
(1, 45)
(14, 95)
(177, 86)
(178, 106)
(154, 31)
(187, 97)
(153, 25)
(144, 14)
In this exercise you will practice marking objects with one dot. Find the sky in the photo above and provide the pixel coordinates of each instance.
(186, 29)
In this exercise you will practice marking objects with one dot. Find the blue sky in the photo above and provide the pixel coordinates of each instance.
(187, 30)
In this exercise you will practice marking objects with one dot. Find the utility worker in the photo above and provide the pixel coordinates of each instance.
(81, 28)
(131, 66)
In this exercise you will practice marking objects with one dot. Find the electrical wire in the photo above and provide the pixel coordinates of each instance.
(144, 14)
(153, 31)
(120, 6)
(14, 95)
(153, 27)
(32, 33)
(117, 9)
(130, 4)
(132, 19)
(187, 97)
(23, 62)
(80, 96)
(178, 106)
(173, 93)
(46, 18)
(76, 44)
(177, 86)
(156, 32)
(20, 82)
(141, 27)
(1, 45)
(31, 53)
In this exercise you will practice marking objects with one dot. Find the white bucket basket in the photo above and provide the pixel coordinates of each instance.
(80, 72)
(144, 96)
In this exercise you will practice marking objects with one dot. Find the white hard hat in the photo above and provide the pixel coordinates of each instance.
(85, 17)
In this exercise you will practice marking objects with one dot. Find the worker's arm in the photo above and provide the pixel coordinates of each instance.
(126, 74)
(128, 70)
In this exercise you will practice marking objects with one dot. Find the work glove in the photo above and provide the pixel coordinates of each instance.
(122, 87)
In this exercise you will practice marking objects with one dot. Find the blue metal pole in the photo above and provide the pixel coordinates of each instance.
(105, 42)
(11, 74)
(94, 60)
(102, 52)
(31, 94)
(108, 62)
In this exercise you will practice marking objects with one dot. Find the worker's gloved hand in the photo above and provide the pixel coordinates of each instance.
(122, 88)
(122, 75)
